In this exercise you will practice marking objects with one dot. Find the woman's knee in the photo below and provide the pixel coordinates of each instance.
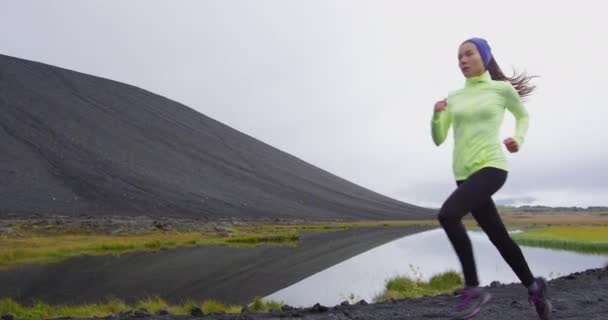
(447, 216)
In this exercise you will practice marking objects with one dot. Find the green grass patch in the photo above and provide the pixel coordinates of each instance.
(580, 239)
(113, 305)
(406, 287)
(49, 243)
(283, 237)
(15, 251)
(210, 306)
(259, 305)
(40, 309)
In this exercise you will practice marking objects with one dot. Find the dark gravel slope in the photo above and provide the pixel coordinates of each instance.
(74, 143)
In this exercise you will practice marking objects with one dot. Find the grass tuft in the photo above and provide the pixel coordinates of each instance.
(405, 287)
(210, 306)
(259, 305)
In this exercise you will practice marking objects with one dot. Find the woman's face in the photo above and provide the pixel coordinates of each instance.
(469, 60)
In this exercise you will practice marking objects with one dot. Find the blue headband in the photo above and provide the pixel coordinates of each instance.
(484, 49)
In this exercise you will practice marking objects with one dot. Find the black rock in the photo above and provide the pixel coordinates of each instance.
(125, 313)
(571, 277)
(7, 316)
(494, 284)
(319, 308)
(163, 312)
(362, 302)
(287, 308)
(196, 312)
(160, 225)
(515, 304)
(345, 303)
(141, 313)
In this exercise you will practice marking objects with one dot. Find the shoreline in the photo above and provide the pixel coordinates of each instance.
(230, 274)
(567, 294)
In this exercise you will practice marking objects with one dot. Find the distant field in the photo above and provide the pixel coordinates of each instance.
(39, 244)
(592, 239)
(46, 244)
(556, 218)
(47, 248)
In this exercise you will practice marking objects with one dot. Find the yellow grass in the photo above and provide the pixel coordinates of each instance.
(15, 251)
(44, 244)
(593, 239)
(113, 305)
(599, 233)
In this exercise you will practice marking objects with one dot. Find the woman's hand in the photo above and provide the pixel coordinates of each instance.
(441, 105)
(511, 144)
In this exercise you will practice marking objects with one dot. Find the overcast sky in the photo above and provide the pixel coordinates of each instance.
(349, 86)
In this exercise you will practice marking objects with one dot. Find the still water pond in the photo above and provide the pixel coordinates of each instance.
(421, 256)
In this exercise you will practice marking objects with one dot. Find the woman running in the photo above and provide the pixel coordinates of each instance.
(479, 165)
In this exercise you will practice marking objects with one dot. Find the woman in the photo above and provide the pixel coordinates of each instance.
(480, 167)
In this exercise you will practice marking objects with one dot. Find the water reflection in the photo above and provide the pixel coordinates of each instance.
(421, 256)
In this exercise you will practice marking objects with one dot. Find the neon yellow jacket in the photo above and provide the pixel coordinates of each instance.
(476, 113)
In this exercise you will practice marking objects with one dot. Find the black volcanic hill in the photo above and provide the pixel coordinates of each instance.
(76, 144)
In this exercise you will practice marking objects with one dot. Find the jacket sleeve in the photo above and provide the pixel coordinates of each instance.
(440, 123)
(516, 107)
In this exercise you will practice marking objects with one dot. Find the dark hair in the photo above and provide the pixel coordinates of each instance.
(520, 82)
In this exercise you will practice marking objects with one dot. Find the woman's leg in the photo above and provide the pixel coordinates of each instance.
(489, 220)
(471, 193)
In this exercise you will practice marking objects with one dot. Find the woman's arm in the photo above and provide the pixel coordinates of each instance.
(517, 108)
(440, 123)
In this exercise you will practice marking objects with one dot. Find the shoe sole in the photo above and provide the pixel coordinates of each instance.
(549, 307)
(547, 314)
(487, 297)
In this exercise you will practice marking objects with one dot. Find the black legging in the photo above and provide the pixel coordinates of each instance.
(475, 195)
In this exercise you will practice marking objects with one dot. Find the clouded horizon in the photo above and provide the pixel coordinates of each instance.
(349, 86)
